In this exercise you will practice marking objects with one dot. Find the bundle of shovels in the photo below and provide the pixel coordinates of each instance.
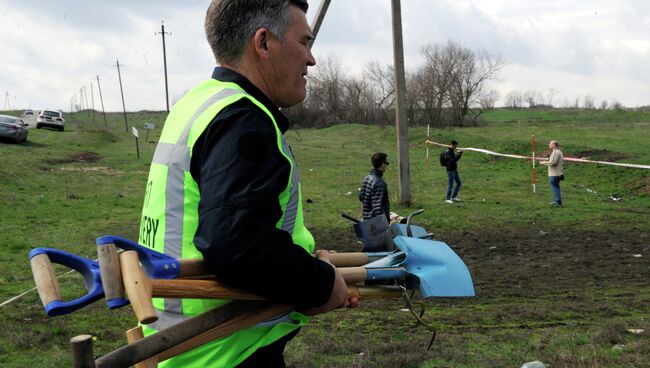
(136, 274)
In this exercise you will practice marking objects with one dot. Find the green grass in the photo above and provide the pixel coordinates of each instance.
(64, 190)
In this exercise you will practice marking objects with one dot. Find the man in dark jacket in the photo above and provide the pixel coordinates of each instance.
(374, 191)
(224, 185)
(452, 157)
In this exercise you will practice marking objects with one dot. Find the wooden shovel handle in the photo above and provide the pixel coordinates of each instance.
(110, 271)
(227, 328)
(199, 289)
(349, 259)
(251, 318)
(190, 268)
(375, 292)
(45, 279)
(136, 334)
(82, 351)
(138, 287)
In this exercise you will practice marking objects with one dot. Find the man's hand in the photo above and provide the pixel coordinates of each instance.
(339, 296)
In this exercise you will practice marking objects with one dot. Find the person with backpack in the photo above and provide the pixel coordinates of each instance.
(449, 159)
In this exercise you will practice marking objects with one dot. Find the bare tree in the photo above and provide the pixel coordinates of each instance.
(488, 100)
(550, 94)
(475, 69)
(326, 87)
(603, 105)
(355, 108)
(588, 102)
(616, 105)
(380, 93)
(576, 103)
(514, 100)
(533, 98)
(451, 82)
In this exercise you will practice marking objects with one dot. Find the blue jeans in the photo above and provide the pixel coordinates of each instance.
(555, 187)
(452, 176)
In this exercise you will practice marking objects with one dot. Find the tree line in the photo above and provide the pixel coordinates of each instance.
(449, 89)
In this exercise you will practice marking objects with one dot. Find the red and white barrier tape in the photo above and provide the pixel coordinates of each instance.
(573, 159)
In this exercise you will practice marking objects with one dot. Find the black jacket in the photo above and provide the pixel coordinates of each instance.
(241, 172)
(452, 159)
(374, 195)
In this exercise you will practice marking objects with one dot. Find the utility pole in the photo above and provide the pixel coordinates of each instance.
(81, 97)
(102, 100)
(318, 20)
(85, 97)
(400, 114)
(92, 98)
(119, 76)
(7, 106)
(163, 33)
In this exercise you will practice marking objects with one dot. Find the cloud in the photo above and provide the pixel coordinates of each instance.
(51, 49)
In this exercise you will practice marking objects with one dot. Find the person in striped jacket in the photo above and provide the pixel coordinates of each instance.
(374, 190)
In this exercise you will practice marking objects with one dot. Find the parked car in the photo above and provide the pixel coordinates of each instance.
(50, 119)
(13, 128)
(29, 112)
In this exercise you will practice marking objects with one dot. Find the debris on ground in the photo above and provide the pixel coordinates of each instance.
(533, 364)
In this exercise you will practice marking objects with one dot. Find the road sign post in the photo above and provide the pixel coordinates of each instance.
(135, 134)
(148, 127)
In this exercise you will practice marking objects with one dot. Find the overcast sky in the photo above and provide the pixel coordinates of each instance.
(50, 49)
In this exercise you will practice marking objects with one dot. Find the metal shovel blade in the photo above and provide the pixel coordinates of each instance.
(439, 270)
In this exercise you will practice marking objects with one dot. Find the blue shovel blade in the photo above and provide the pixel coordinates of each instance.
(441, 273)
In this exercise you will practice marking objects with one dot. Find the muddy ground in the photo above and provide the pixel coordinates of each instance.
(563, 296)
(529, 262)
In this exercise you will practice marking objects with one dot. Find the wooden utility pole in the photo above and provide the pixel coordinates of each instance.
(119, 76)
(102, 100)
(400, 114)
(318, 20)
(85, 97)
(163, 33)
(92, 98)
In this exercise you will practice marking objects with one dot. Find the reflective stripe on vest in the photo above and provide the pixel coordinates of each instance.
(177, 157)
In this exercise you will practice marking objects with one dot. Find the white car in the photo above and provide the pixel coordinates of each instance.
(50, 119)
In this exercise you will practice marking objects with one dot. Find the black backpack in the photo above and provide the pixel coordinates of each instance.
(444, 158)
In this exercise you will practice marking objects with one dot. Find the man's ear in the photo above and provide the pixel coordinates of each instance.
(261, 42)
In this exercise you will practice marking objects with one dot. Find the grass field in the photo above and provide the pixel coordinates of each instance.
(563, 286)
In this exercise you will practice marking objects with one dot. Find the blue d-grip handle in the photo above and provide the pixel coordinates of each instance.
(156, 265)
(87, 268)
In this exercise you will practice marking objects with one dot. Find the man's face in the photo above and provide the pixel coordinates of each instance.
(289, 61)
(384, 165)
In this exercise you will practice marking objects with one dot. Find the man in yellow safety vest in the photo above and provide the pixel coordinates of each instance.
(224, 185)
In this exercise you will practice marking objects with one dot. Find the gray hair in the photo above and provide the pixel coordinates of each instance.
(229, 24)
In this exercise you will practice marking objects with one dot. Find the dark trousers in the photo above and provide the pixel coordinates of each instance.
(269, 356)
(554, 181)
(452, 176)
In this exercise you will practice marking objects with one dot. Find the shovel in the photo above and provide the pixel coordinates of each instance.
(140, 289)
(433, 265)
(103, 278)
(195, 331)
(428, 264)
